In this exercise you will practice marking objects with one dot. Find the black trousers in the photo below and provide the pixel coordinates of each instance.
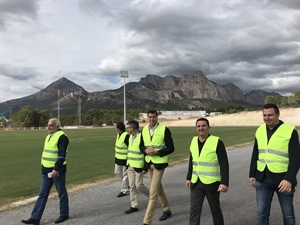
(198, 192)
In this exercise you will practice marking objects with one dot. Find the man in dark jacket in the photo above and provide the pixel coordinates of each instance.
(208, 173)
(274, 165)
(121, 151)
(53, 172)
(156, 144)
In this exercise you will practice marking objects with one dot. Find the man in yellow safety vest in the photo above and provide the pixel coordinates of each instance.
(136, 168)
(156, 144)
(274, 165)
(208, 173)
(121, 150)
(53, 172)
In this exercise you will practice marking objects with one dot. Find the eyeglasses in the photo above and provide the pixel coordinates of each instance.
(50, 125)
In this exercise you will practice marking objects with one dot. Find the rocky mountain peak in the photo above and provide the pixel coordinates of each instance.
(197, 76)
(258, 96)
(190, 90)
(155, 82)
(65, 85)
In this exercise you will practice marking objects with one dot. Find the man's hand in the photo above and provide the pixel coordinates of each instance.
(285, 186)
(150, 151)
(222, 188)
(55, 173)
(188, 184)
(252, 181)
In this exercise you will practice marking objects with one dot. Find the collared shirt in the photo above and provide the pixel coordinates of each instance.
(134, 136)
(152, 129)
(169, 146)
(50, 136)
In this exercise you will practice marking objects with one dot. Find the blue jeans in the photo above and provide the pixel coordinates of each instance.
(264, 196)
(60, 184)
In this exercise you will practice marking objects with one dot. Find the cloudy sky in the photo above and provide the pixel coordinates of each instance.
(254, 44)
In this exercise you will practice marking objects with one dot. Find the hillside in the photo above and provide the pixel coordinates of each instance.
(189, 91)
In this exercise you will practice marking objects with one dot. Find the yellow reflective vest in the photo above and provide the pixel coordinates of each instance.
(273, 154)
(135, 158)
(121, 148)
(157, 142)
(50, 153)
(206, 165)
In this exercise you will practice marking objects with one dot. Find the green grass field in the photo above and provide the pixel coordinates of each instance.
(90, 156)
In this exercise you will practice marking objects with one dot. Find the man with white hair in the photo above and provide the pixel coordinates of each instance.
(53, 172)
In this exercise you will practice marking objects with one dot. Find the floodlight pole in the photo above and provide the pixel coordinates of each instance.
(58, 104)
(124, 74)
(11, 116)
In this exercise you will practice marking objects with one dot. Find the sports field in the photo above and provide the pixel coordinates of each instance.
(90, 156)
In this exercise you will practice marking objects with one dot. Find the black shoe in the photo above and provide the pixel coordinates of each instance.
(61, 219)
(165, 215)
(121, 194)
(31, 221)
(131, 210)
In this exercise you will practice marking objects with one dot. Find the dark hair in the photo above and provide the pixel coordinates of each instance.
(152, 111)
(203, 119)
(121, 126)
(272, 106)
(134, 124)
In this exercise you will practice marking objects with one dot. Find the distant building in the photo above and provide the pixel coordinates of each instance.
(215, 113)
(171, 115)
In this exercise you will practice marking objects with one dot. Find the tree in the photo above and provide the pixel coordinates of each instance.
(24, 117)
(284, 100)
(28, 117)
(297, 97)
(43, 118)
(270, 99)
(92, 117)
(291, 100)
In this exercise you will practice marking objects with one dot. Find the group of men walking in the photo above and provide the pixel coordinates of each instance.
(144, 151)
(274, 166)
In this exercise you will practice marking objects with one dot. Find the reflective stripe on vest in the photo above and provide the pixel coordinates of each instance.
(273, 154)
(206, 166)
(121, 148)
(157, 142)
(135, 158)
(50, 153)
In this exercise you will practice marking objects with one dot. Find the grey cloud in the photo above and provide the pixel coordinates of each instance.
(248, 43)
(12, 11)
(97, 7)
(18, 73)
(252, 40)
(292, 4)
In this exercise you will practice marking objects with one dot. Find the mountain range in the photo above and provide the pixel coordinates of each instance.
(189, 91)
